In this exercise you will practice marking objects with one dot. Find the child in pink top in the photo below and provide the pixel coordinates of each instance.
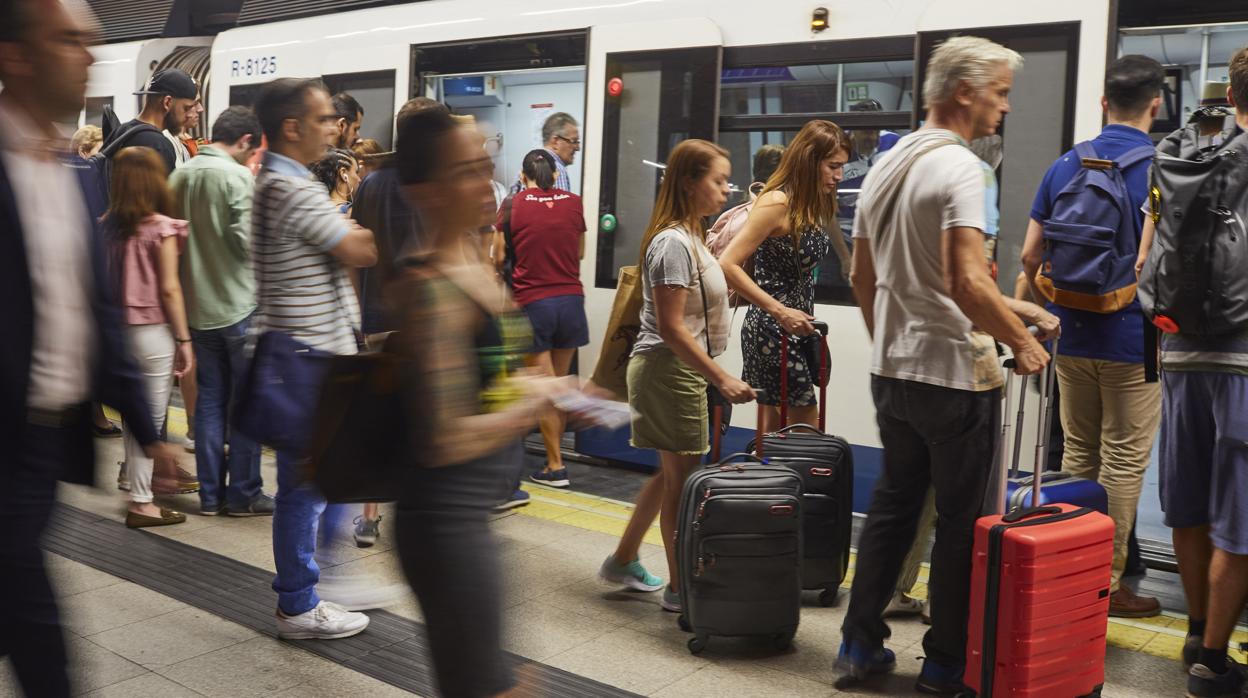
(145, 247)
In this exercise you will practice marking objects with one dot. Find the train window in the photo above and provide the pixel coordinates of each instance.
(660, 98)
(244, 95)
(375, 93)
(769, 92)
(798, 89)
(1194, 57)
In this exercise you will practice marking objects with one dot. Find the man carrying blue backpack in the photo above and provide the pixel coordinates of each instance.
(1081, 252)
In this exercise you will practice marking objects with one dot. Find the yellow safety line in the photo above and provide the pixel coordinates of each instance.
(1161, 636)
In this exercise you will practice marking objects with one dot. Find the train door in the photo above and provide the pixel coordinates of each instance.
(652, 86)
(511, 86)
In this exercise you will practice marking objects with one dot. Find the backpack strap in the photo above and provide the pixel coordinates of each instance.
(109, 150)
(1086, 151)
(1135, 155)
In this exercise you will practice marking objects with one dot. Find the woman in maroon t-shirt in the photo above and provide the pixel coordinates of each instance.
(545, 232)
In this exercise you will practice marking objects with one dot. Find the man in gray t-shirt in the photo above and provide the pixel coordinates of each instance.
(925, 217)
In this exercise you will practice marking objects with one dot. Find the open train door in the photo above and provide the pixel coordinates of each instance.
(651, 85)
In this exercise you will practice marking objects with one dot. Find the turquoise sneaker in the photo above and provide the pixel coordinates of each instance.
(671, 600)
(632, 575)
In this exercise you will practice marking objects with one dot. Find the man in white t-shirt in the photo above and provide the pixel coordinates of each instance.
(926, 222)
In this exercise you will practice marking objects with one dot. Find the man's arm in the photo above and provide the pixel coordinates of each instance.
(976, 294)
(862, 277)
(1033, 255)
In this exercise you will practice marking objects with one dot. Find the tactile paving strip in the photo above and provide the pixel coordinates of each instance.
(393, 649)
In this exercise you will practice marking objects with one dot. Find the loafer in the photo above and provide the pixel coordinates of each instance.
(1125, 603)
(167, 517)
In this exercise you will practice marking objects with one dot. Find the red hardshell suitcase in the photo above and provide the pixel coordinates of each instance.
(1039, 595)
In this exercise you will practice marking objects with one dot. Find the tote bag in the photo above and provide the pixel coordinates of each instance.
(611, 371)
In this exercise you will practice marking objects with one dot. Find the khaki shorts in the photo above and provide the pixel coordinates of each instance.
(668, 400)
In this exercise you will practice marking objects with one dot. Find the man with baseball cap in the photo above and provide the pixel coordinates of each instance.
(170, 96)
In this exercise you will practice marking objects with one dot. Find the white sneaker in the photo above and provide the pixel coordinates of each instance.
(328, 621)
(359, 593)
(903, 605)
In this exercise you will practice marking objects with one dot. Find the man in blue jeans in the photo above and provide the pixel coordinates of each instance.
(213, 192)
(923, 231)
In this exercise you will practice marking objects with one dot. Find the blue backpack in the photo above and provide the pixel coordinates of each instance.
(1092, 237)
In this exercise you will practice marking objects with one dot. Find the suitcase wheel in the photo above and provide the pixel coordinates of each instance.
(782, 641)
(697, 643)
(683, 623)
(829, 597)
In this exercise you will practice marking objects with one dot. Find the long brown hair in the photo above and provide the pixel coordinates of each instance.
(138, 189)
(689, 162)
(798, 176)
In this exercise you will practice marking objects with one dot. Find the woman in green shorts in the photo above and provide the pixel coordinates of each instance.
(684, 323)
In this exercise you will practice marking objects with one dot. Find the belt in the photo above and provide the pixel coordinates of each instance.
(57, 418)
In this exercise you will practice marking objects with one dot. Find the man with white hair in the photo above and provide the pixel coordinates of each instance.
(925, 226)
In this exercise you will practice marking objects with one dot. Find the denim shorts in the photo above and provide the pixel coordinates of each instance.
(558, 323)
(1204, 455)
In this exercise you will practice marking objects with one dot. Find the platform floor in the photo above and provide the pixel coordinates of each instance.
(162, 627)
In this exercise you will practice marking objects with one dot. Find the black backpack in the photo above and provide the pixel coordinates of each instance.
(101, 163)
(1194, 280)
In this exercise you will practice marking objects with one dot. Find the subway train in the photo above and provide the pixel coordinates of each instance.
(641, 75)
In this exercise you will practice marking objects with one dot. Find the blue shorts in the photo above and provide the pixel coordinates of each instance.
(558, 323)
(1204, 455)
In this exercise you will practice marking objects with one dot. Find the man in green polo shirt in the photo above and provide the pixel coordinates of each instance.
(213, 192)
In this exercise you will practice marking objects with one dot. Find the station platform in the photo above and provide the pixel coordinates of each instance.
(187, 610)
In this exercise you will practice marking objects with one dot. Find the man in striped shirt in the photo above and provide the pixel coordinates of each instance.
(301, 249)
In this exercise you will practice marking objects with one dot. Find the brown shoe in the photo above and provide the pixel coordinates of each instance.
(1124, 603)
(167, 517)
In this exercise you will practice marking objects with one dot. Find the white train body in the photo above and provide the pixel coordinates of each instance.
(383, 38)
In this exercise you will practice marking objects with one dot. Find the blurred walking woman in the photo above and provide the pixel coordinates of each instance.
(145, 243)
(463, 336)
(684, 324)
(787, 235)
(545, 227)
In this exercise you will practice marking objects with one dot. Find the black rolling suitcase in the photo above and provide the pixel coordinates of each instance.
(826, 466)
(739, 550)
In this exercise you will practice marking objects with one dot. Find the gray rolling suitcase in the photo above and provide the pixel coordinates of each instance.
(739, 551)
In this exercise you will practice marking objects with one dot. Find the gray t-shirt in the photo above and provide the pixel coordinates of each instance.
(669, 262)
(920, 333)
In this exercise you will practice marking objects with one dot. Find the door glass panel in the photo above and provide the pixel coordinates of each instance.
(1038, 129)
(667, 97)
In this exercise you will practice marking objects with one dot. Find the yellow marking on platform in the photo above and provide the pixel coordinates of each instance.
(1161, 636)
(1128, 637)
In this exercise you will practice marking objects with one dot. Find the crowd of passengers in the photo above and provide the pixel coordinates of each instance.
(195, 248)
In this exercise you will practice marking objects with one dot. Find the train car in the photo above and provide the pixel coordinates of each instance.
(640, 75)
(122, 68)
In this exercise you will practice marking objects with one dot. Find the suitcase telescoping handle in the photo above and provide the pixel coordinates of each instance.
(821, 328)
(1043, 426)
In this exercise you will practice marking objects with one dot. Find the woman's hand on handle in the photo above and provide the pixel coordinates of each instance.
(794, 321)
(735, 390)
